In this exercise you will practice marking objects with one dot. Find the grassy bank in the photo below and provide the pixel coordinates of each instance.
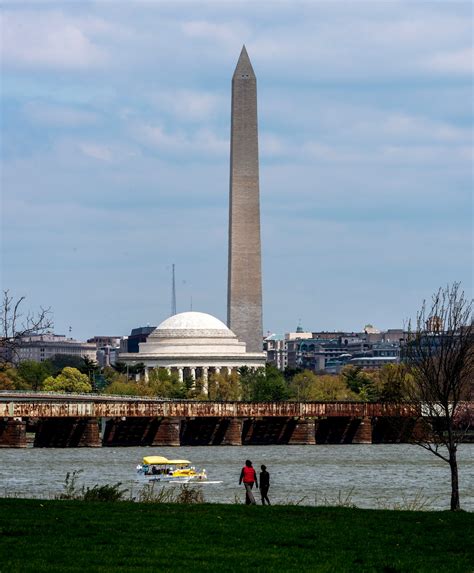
(61, 536)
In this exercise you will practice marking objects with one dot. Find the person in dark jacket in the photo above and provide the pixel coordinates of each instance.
(264, 484)
(249, 476)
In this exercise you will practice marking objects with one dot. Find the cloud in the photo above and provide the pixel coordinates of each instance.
(199, 142)
(223, 33)
(96, 151)
(51, 40)
(272, 145)
(455, 62)
(365, 115)
(188, 105)
(58, 116)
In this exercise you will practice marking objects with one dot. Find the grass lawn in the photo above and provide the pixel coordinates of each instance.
(60, 536)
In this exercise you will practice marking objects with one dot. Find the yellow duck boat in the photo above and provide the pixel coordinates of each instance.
(159, 468)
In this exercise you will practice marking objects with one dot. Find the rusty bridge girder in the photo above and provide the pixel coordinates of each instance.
(70, 406)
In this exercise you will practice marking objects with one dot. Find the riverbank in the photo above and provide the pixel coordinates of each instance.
(76, 536)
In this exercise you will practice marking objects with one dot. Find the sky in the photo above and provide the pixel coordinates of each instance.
(115, 158)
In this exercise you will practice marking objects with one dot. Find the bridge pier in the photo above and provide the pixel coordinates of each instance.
(168, 433)
(233, 433)
(304, 433)
(421, 429)
(90, 437)
(363, 433)
(13, 434)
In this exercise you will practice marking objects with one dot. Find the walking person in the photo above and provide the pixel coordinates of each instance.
(264, 484)
(249, 476)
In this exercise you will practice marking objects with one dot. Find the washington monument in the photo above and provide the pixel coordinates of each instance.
(244, 294)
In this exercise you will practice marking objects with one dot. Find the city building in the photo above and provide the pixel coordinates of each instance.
(101, 341)
(328, 352)
(274, 346)
(108, 348)
(41, 347)
(131, 342)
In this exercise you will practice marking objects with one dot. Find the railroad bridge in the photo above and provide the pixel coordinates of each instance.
(65, 420)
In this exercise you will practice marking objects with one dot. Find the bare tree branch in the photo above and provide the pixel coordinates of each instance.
(14, 328)
(439, 354)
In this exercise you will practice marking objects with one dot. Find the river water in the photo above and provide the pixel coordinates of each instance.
(370, 476)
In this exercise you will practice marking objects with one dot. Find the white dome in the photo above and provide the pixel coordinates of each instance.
(193, 321)
(190, 338)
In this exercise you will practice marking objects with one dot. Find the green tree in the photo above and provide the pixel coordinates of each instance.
(310, 386)
(165, 384)
(196, 392)
(121, 386)
(392, 382)
(360, 382)
(60, 361)
(6, 383)
(34, 373)
(89, 367)
(263, 385)
(290, 373)
(120, 367)
(301, 385)
(10, 379)
(247, 381)
(327, 388)
(224, 386)
(109, 374)
(70, 380)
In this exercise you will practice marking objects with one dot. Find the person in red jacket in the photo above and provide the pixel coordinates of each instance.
(249, 476)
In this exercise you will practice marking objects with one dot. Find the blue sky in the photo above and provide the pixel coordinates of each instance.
(115, 151)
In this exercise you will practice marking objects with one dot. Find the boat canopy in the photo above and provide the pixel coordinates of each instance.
(179, 462)
(155, 460)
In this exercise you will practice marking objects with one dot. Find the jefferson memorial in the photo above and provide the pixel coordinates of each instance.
(193, 344)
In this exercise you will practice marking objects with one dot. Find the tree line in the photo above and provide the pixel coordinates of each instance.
(73, 374)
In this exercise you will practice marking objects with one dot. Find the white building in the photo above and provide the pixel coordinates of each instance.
(275, 346)
(40, 347)
(193, 344)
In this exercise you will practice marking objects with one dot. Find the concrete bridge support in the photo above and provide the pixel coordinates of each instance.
(422, 429)
(233, 433)
(90, 437)
(363, 433)
(13, 434)
(304, 433)
(168, 433)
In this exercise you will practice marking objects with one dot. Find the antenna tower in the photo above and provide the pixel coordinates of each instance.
(173, 292)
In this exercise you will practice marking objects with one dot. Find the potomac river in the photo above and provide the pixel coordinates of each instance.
(372, 476)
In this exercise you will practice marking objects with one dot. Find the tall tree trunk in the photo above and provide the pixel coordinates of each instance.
(453, 464)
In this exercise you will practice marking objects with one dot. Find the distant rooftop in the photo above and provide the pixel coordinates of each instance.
(142, 330)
